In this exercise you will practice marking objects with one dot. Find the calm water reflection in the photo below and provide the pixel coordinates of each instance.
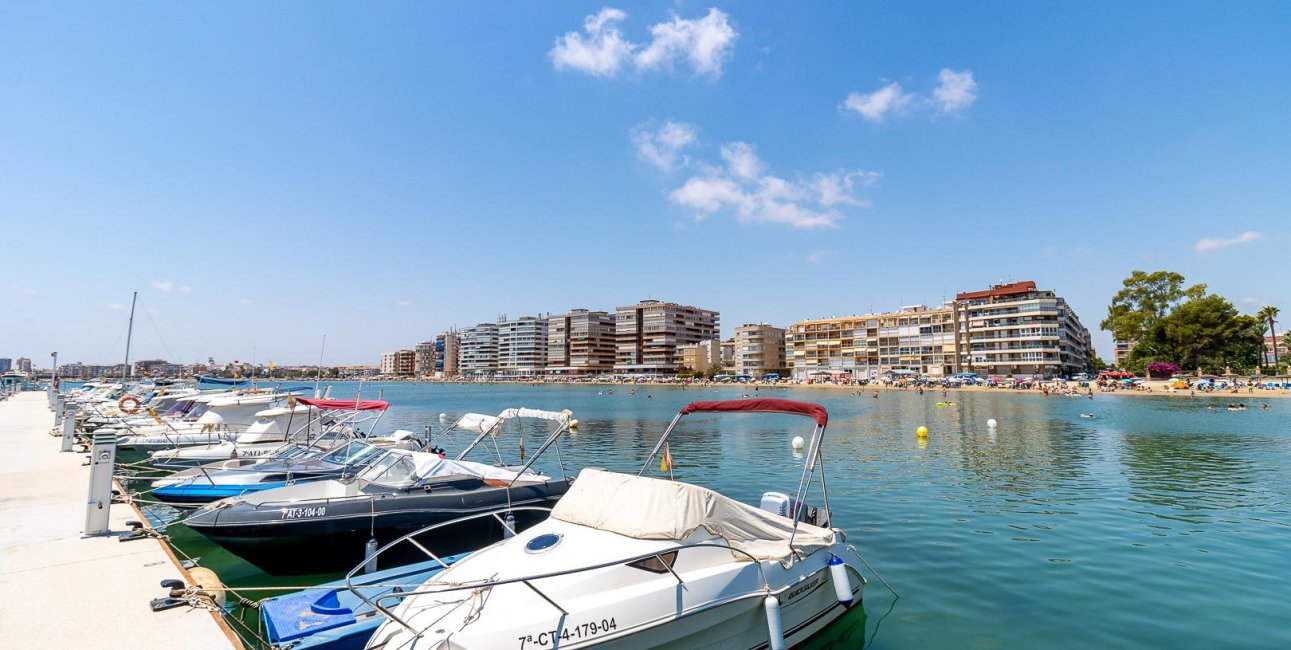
(1154, 523)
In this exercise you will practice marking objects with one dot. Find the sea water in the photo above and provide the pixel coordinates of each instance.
(1155, 523)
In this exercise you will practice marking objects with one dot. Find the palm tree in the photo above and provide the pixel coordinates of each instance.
(1269, 315)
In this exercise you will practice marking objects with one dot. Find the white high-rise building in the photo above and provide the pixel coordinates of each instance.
(522, 347)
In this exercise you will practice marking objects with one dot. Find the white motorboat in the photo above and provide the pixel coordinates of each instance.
(636, 562)
(225, 416)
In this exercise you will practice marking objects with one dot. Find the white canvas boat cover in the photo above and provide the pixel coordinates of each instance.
(476, 422)
(508, 414)
(650, 508)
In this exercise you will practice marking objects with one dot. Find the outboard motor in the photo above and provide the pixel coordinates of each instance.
(785, 505)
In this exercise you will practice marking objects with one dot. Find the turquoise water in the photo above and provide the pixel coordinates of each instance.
(1157, 523)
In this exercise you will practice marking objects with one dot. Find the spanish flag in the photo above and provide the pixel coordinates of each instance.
(665, 461)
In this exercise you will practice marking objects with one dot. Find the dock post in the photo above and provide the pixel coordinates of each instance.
(103, 454)
(69, 431)
(56, 405)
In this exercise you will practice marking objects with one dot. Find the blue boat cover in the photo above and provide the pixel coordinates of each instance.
(299, 615)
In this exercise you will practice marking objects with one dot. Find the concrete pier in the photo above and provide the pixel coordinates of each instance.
(61, 590)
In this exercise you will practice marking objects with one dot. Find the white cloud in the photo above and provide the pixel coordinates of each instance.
(877, 105)
(600, 50)
(955, 91)
(1214, 243)
(742, 184)
(742, 160)
(245, 301)
(836, 188)
(113, 306)
(24, 289)
(705, 44)
(164, 286)
(186, 289)
(663, 147)
(404, 303)
(816, 257)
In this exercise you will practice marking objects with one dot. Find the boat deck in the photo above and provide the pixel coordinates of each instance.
(61, 590)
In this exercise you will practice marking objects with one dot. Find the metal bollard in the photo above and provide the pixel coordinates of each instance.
(58, 409)
(69, 431)
(103, 454)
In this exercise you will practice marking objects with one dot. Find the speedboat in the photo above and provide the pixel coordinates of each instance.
(300, 420)
(630, 561)
(400, 492)
(225, 416)
(200, 485)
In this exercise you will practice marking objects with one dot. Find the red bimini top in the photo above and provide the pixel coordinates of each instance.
(346, 404)
(813, 411)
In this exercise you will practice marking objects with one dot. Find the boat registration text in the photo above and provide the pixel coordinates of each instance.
(298, 513)
(575, 632)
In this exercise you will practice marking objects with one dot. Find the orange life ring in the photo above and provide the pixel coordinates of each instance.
(133, 405)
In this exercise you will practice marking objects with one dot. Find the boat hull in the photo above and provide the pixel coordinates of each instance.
(272, 535)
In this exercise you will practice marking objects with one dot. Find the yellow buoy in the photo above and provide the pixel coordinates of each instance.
(922, 432)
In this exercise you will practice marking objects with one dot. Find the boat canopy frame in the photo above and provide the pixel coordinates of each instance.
(771, 405)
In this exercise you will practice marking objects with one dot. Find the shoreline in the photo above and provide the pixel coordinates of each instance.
(1160, 388)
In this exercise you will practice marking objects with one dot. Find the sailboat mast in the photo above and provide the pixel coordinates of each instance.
(125, 372)
(319, 379)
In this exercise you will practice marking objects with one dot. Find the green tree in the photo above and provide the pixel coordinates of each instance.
(1205, 333)
(1145, 299)
(1097, 364)
(1269, 315)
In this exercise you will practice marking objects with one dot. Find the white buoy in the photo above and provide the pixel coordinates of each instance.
(798, 442)
(775, 631)
(842, 583)
(370, 555)
(573, 425)
(991, 423)
(443, 416)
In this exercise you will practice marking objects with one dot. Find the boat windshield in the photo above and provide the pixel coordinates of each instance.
(294, 451)
(353, 453)
(393, 469)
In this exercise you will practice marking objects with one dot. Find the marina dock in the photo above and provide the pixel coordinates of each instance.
(60, 589)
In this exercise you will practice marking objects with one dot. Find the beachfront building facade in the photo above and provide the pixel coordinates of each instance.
(6, 364)
(23, 365)
(448, 347)
(522, 347)
(914, 340)
(1018, 330)
(1121, 352)
(698, 357)
(759, 350)
(425, 356)
(479, 351)
(387, 363)
(580, 344)
(648, 334)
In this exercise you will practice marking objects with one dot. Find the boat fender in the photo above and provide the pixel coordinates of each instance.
(509, 522)
(208, 584)
(370, 555)
(775, 631)
(842, 583)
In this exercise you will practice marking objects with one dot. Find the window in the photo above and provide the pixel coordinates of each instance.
(653, 563)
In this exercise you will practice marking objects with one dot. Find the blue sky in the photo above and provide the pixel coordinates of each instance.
(267, 173)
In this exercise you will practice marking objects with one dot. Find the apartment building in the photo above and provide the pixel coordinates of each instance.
(912, 340)
(648, 334)
(759, 349)
(1016, 329)
(698, 357)
(580, 343)
(425, 357)
(388, 363)
(479, 351)
(522, 347)
(1121, 351)
(448, 347)
(6, 364)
